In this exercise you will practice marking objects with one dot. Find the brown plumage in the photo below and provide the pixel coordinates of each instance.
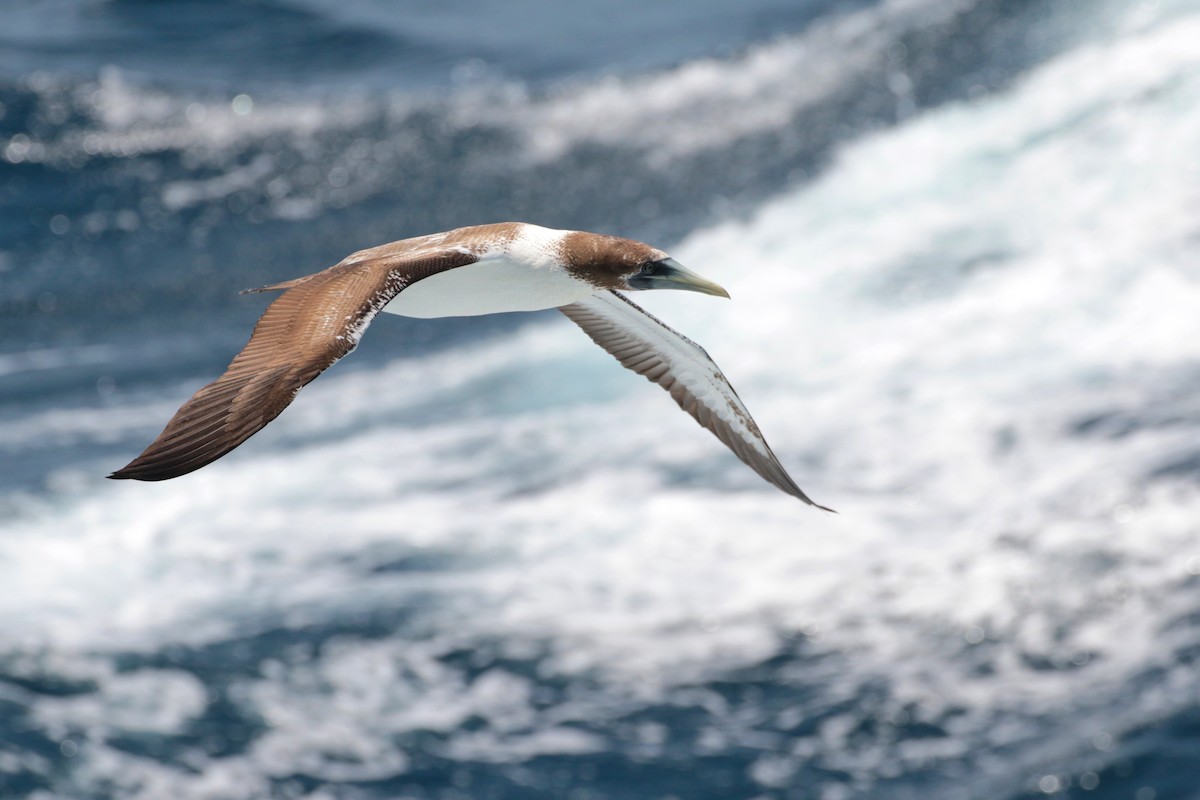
(483, 269)
(315, 322)
(604, 261)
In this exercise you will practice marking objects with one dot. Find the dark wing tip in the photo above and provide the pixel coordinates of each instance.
(125, 473)
(147, 472)
(796, 492)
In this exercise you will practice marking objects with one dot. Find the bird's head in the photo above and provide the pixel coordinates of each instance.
(609, 262)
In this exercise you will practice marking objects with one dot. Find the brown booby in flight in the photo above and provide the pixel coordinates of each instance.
(484, 269)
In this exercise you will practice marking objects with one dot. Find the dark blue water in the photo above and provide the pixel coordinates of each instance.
(477, 560)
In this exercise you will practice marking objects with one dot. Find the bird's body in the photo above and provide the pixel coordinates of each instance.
(517, 271)
(483, 269)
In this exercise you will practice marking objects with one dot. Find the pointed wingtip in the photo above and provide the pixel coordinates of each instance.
(802, 497)
(133, 471)
(789, 486)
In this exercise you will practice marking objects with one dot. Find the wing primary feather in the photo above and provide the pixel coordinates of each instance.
(315, 322)
(645, 345)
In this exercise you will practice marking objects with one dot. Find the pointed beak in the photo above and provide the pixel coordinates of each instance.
(670, 274)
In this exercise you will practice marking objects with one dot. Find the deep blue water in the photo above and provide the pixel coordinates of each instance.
(478, 559)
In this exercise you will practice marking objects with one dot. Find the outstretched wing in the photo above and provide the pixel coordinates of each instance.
(316, 321)
(682, 367)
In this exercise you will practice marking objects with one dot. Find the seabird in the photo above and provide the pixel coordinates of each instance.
(483, 269)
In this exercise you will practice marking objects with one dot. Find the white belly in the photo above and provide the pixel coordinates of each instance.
(490, 286)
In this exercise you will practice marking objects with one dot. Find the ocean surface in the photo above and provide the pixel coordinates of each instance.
(480, 560)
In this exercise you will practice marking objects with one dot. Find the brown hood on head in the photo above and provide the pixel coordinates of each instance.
(605, 261)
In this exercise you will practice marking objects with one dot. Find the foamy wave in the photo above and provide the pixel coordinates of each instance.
(708, 104)
(296, 156)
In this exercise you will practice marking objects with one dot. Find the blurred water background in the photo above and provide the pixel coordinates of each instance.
(480, 560)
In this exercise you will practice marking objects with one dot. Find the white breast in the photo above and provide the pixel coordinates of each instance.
(490, 286)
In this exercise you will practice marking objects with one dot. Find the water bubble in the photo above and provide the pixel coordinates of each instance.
(1049, 784)
(17, 147)
(1102, 741)
(242, 104)
(974, 635)
(68, 748)
(41, 81)
(59, 224)
(338, 177)
(1089, 781)
(1122, 514)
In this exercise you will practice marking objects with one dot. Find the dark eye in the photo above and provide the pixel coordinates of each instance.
(649, 268)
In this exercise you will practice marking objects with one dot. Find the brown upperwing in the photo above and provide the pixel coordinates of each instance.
(310, 326)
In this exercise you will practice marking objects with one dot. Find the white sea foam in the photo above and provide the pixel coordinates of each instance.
(710, 103)
(159, 701)
(923, 334)
(352, 146)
